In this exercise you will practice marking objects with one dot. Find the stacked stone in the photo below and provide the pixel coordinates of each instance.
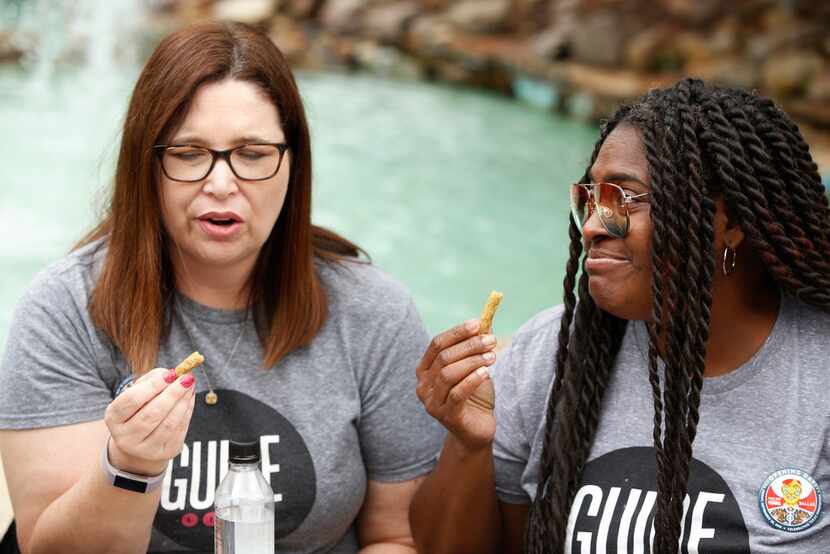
(592, 54)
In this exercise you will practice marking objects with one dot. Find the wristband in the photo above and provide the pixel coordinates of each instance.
(125, 480)
(123, 385)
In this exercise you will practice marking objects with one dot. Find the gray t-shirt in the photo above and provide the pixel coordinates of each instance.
(329, 416)
(761, 456)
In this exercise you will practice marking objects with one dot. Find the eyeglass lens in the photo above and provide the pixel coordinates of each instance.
(251, 162)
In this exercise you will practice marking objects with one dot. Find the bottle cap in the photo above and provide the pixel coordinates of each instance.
(242, 452)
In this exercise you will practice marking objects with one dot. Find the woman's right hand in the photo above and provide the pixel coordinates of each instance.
(453, 367)
(148, 421)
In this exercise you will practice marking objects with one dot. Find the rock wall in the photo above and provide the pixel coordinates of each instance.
(602, 51)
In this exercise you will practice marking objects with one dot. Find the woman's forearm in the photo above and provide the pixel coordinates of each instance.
(94, 516)
(456, 510)
(387, 548)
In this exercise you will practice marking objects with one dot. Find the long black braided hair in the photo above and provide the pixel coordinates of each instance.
(701, 143)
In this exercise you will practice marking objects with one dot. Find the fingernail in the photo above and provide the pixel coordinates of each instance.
(170, 376)
(187, 380)
(488, 340)
(488, 356)
(471, 325)
(483, 372)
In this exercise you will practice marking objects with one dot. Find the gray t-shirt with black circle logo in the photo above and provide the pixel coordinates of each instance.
(761, 460)
(329, 416)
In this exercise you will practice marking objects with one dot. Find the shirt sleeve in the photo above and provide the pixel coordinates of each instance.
(48, 374)
(511, 447)
(399, 439)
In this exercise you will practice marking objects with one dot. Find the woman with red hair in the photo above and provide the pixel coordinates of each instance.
(208, 246)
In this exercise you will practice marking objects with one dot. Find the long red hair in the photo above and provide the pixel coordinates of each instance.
(137, 281)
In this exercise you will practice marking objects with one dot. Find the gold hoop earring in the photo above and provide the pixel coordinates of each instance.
(729, 268)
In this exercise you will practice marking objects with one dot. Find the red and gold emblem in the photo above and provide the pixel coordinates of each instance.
(790, 500)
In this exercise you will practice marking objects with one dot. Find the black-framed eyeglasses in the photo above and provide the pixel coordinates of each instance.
(610, 201)
(250, 162)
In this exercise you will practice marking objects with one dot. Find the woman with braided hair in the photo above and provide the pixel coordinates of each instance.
(679, 394)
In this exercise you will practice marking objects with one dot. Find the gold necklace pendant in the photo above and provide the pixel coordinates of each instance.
(211, 398)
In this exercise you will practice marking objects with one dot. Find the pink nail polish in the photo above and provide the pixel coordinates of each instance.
(170, 376)
(188, 380)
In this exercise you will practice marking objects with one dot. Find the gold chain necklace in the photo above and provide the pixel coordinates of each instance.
(211, 398)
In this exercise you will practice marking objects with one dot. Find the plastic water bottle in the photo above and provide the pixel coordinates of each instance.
(244, 505)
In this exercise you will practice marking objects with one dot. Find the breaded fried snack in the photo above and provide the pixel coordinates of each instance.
(485, 396)
(189, 364)
(489, 312)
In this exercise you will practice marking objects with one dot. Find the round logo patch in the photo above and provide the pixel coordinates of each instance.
(790, 499)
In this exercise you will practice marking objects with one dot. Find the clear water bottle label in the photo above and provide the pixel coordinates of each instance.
(222, 541)
(255, 536)
(223, 536)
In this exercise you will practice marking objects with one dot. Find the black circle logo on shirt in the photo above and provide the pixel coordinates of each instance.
(614, 507)
(185, 513)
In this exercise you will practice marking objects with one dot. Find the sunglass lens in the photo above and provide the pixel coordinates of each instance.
(580, 205)
(611, 209)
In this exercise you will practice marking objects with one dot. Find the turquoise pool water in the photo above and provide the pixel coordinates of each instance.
(455, 192)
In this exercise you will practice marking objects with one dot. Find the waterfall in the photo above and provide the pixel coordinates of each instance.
(95, 36)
